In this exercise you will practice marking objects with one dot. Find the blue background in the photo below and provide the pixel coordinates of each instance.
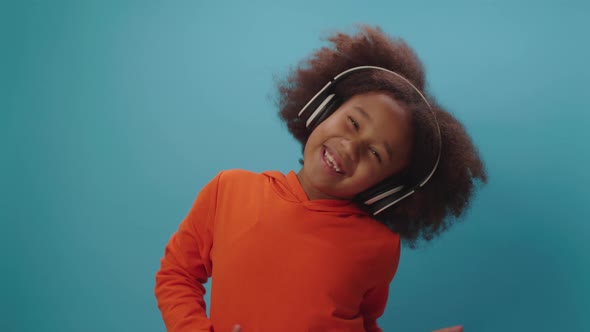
(115, 113)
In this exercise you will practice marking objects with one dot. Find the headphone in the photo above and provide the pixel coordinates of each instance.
(388, 192)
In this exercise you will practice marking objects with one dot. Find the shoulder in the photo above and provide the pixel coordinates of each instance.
(387, 255)
(391, 252)
(389, 243)
(381, 235)
(233, 178)
(380, 248)
(232, 175)
(386, 244)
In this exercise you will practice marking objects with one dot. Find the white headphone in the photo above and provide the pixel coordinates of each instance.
(389, 192)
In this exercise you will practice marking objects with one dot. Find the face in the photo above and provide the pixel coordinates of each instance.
(366, 140)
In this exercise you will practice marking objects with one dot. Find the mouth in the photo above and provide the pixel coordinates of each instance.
(333, 161)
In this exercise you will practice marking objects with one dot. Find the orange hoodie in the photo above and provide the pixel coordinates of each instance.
(278, 261)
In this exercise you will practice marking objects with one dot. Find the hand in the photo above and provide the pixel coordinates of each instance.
(457, 328)
(238, 328)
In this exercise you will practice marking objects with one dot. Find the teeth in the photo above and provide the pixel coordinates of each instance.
(331, 161)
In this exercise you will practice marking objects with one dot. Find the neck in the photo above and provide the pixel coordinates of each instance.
(312, 192)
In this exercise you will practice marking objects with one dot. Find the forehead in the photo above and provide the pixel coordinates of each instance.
(385, 118)
(379, 104)
(382, 111)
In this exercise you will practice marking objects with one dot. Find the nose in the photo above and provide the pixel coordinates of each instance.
(351, 147)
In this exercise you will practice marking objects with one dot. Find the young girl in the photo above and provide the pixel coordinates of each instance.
(316, 250)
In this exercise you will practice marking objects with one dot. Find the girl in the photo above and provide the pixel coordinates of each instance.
(316, 250)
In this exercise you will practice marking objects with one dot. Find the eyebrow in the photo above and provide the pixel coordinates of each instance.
(366, 115)
(363, 113)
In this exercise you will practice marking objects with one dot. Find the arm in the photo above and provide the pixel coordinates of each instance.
(187, 265)
(373, 307)
(375, 300)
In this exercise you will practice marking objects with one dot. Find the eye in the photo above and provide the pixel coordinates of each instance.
(376, 154)
(354, 123)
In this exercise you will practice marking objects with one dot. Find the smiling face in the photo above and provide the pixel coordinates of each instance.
(366, 140)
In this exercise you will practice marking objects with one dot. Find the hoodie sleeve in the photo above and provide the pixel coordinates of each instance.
(375, 300)
(187, 265)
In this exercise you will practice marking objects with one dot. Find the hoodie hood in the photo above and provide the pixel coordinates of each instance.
(289, 188)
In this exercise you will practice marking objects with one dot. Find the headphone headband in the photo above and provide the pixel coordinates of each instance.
(379, 197)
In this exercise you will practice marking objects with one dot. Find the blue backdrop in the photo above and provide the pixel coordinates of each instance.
(115, 113)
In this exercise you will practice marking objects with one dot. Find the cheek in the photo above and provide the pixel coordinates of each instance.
(334, 125)
(366, 177)
(311, 143)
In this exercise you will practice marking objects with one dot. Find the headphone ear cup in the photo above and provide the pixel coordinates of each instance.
(387, 190)
(332, 102)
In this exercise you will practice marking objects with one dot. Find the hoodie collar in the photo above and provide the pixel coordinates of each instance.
(290, 189)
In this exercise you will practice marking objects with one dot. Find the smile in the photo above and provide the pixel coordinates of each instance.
(331, 162)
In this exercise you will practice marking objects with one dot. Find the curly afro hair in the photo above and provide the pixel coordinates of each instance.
(434, 207)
